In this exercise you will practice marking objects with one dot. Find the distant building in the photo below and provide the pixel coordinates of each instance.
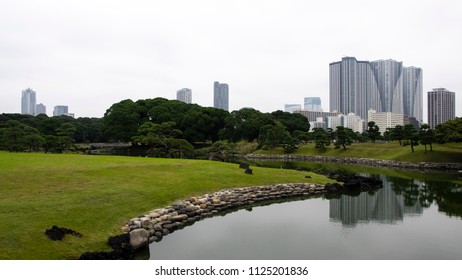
(385, 120)
(441, 106)
(317, 119)
(383, 85)
(221, 96)
(28, 102)
(351, 121)
(60, 110)
(184, 95)
(40, 109)
(291, 108)
(313, 104)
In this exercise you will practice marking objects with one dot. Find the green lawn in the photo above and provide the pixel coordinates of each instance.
(390, 151)
(94, 195)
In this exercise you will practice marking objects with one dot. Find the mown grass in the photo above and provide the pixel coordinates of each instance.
(390, 151)
(95, 195)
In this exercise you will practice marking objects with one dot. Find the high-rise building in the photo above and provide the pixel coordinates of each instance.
(221, 96)
(413, 93)
(60, 110)
(383, 85)
(313, 104)
(441, 106)
(40, 109)
(291, 108)
(184, 95)
(28, 102)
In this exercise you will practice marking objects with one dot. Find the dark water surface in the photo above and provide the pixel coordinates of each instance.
(408, 219)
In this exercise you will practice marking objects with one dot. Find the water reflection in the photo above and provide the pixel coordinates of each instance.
(383, 206)
(398, 198)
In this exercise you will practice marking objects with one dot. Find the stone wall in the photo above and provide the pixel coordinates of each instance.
(160, 222)
(362, 161)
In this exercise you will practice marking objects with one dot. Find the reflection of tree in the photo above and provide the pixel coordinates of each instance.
(447, 195)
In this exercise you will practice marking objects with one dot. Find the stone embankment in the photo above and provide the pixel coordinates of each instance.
(157, 223)
(362, 161)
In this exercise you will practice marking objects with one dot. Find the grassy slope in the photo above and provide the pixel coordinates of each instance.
(388, 151)
(94, 195)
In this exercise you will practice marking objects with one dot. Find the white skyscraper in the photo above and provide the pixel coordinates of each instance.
(184, 95)
(40, 109)
(28, 102)
(221, 96)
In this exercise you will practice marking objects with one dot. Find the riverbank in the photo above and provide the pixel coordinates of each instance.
(421, 166)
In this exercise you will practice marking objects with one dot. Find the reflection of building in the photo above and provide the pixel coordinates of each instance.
(384, 206)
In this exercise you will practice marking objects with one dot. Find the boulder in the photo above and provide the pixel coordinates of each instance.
(139, 238)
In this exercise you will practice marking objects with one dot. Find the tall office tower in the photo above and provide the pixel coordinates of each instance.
(413, 93)
(441, 106)
(40, 109)
(389, 79)
(352, 87)
(28, 102)
(313, 104)
(184, 95)
(291, 108)
(382, 85)
(221, 96)
(60, 110)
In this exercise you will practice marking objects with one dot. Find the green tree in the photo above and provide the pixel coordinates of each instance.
(398, 133)
(342, 137)
(373, 131)
(121, 121)
(292, 122)
(320, 139)
(65, 134)
(32, 139)
(14, 136)
(450, 131)
(426, 136)
(411, 136)
(245, 124)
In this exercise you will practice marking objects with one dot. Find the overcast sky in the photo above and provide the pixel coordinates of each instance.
(91, 54)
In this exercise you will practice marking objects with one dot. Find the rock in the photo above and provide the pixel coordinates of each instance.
(244, 166)
(139, 238)
(179, 218)
(248, 171)
(154, 215)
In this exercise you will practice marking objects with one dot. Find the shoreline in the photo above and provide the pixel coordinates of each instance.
(421, 166)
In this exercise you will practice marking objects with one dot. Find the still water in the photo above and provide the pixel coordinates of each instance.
(407, 219)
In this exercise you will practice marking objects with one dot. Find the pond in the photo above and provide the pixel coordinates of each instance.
(414, 216)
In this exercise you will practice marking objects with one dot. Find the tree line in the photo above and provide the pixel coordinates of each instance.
(170, 128)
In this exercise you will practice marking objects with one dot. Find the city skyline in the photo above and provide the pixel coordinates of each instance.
(271, 52)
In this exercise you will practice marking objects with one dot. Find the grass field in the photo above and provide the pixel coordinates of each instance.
(390, 151)
(94, 195)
